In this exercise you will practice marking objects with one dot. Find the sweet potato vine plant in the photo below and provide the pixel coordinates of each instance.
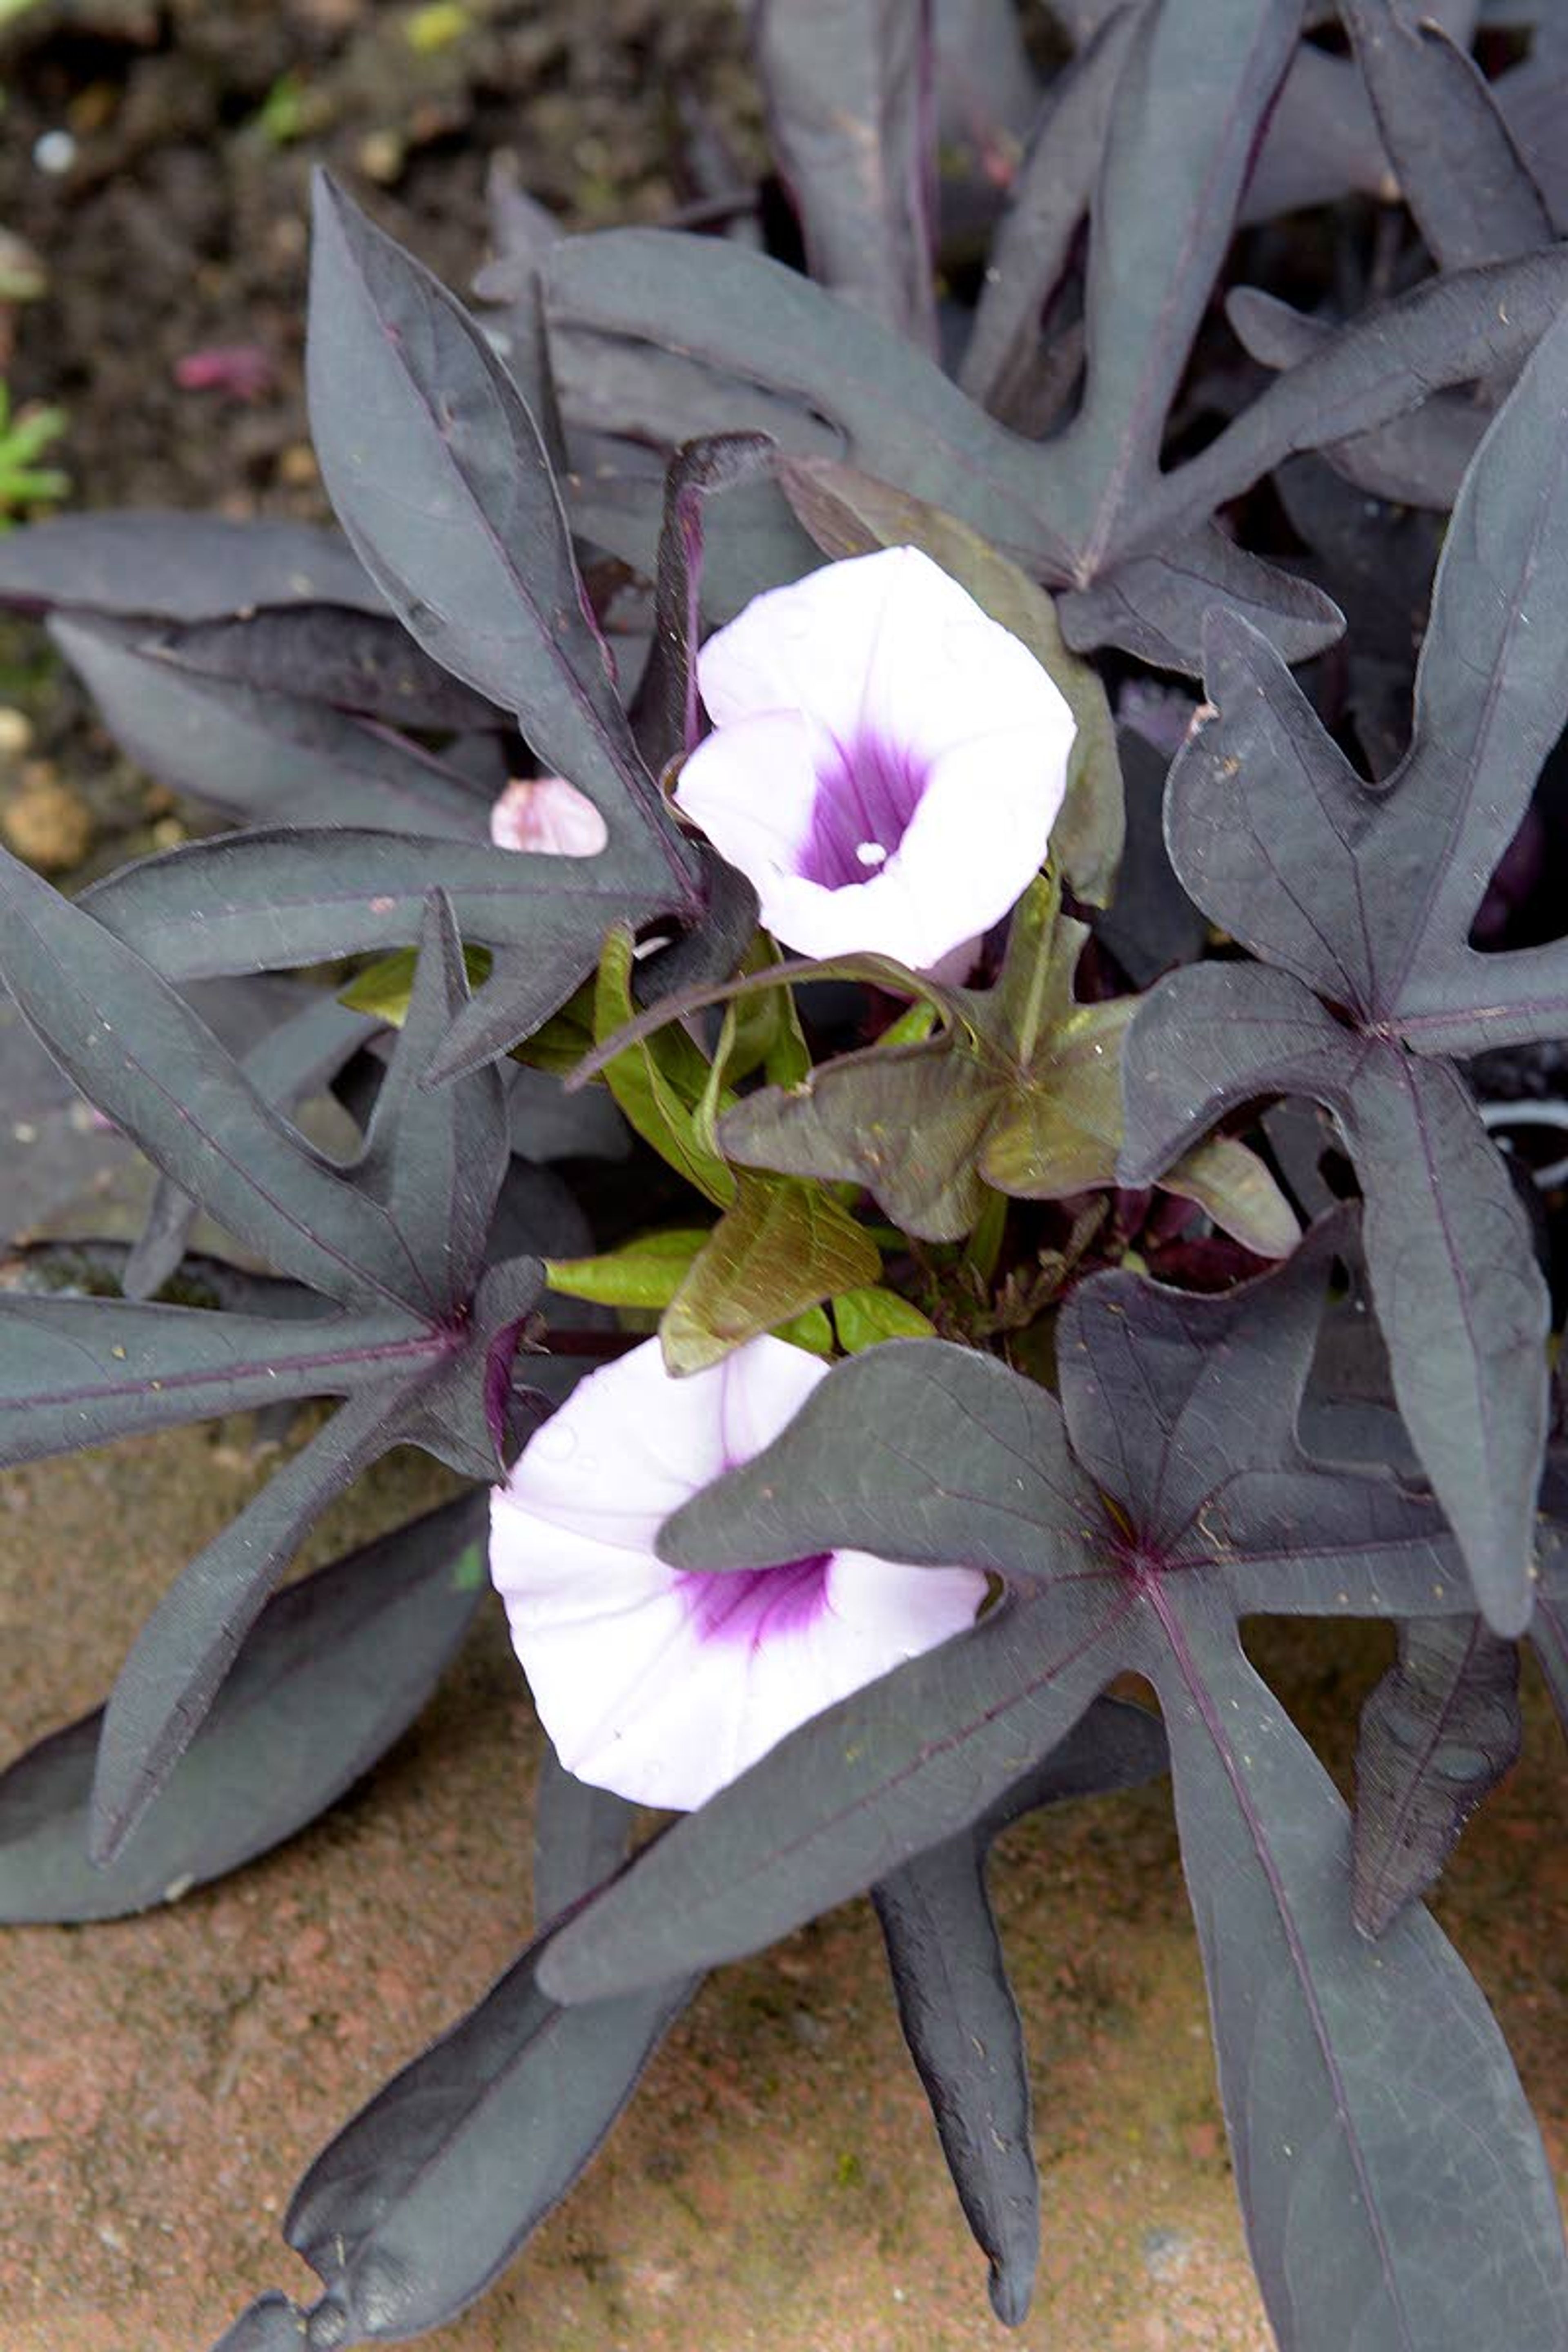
(1056, 1199)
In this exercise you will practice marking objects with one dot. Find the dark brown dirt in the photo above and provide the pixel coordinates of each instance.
(178, 232)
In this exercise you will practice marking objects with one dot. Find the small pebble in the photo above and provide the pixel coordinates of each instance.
(48, 825)
(380, 156)
(15, 733)
(55, 152)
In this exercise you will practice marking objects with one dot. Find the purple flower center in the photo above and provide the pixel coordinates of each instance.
(751, 1606)
(867, 791)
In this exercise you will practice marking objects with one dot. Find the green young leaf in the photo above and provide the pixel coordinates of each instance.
(383, 988)
(646, 1273)
(659, 1080)
(784, 1246)
(813, 1332)
(864, 1317)
(850, 513)
(560, 1045)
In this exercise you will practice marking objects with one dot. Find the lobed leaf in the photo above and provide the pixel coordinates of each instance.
(1189, 104)
(442, 484)
(1343, 2064)
(335, 1669)
(262, 754)
(956, 2006)
(180, 567)
(1439, 1732)
(189, 1643)
(851, 119)
(1460, 170)
(133, 1047)
(427, 2193)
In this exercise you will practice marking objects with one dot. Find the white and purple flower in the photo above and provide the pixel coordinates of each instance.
(664, 1684)
(886, 763)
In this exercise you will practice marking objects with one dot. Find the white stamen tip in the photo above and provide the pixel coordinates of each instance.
(870, 853)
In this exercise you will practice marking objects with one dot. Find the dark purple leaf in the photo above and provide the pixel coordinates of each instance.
(1320, 140)
(524, 231)
(1050, 195)
(751, 323)
(271, 2324)
(427, 2193)
(78, 1371)
(257, 901)
(337, 1666)
(665, 714)
(435, 1157)
(1343, 2064)
(451, 504)
(189, 1643)
(1154, 605)
(580, 1837)
(262, 755)
(956, 2005)
(287, 1065)
(1531, 96)
(926, 1453)
(364, 662)
(180, 567)
(851, 116)
(1326, 2066)
(1189, 105)
(1419, 459)
(1438, 1733)
(1368, 896)
(1454, 1278)
(1447, 331)
(961, 2022)
(137, 1051)
(1458, 169)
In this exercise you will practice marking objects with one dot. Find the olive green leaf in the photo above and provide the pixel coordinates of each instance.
(1020, 1089)
(784, 1246)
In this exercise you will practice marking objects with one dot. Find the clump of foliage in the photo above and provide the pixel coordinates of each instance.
(25, 435)
(1042, 1222)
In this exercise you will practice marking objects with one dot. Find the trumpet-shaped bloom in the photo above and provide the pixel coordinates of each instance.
(660, 1683)
(548, 815)
(886, 763)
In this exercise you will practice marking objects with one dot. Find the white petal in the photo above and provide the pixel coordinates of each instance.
(805, 647)
(752, 788)
(549, 816)
(974, 844)
(942, 672)
(662, 1685)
